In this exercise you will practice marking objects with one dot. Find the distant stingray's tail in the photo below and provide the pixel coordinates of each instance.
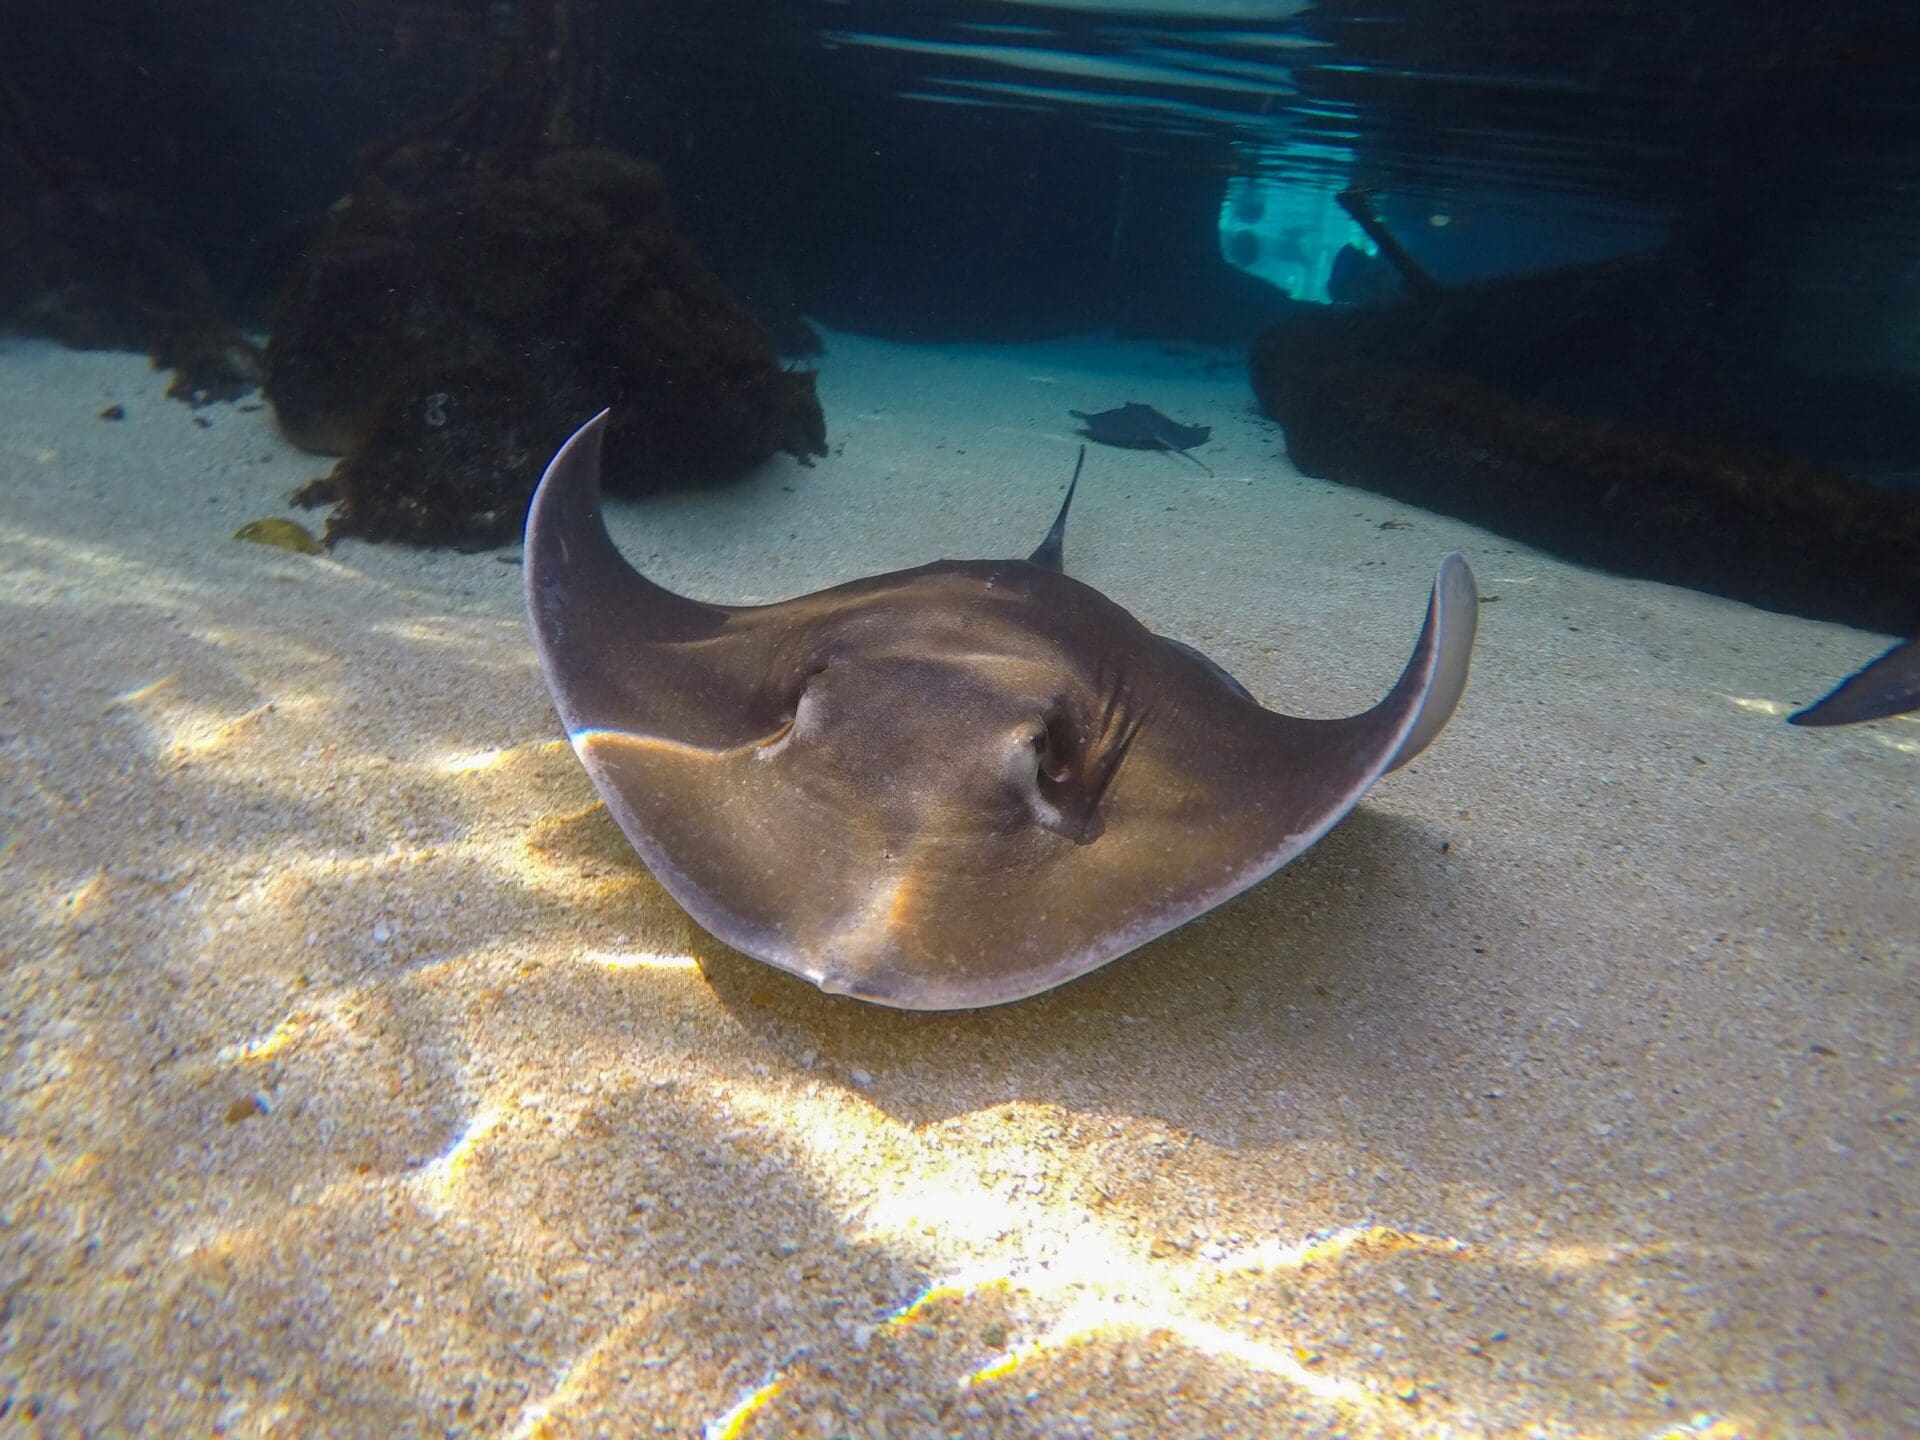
(1188, 455)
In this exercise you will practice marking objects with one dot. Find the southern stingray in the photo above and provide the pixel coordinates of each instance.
(1889, 686)
(1134, 426)
(946, 787)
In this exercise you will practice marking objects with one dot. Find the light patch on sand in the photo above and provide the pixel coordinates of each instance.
(1094, 1277)
(639, 960)
(268, 1045)
(537, 1416)
(469, 762)
(196, 737)
(75, 903)
(1754, 705)
(184, 729)
(1702, 1427)
(476, 762)
(1086, 1276)
(142, 692)
(439, 1177)
(733, 1424)
(453, 633)
(1094, 1318)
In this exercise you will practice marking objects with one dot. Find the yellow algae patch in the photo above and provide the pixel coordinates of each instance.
(282, 534)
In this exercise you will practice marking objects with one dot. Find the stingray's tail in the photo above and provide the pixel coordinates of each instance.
(1051, 552)
(1189, 455)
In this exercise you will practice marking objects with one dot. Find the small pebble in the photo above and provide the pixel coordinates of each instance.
(245, 1108)
(860, 1077)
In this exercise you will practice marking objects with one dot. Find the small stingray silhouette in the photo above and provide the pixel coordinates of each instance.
(1134, 426)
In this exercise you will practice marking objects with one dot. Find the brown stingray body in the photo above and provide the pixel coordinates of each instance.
(948, 787)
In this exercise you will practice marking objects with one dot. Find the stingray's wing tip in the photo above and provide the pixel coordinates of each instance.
(566, 533)
(1443, 658)
(589, 437)
(575, 467)
(1888, 686)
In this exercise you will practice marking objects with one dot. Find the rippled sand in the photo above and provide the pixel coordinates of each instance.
(357, 1081)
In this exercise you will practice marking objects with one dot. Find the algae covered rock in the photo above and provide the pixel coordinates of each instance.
(449, 328)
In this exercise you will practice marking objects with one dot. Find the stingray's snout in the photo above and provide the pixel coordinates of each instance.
(937, 746)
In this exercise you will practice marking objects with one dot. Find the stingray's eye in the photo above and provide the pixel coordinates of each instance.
(803, 677)
(1053, 746)
(1056, 787)
(785, 698)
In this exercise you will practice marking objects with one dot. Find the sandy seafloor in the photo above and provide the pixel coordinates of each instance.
(359, 1082)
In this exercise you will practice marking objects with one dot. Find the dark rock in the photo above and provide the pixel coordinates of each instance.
(210, 360)
(449, 329)
(92, 268)
(1457, 409)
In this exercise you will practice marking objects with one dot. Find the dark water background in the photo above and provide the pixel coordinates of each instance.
(1014, 170)
(871, 157)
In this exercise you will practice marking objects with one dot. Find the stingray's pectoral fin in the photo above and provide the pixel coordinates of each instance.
(1889, 686)
(1430, 688)
(609, 639)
